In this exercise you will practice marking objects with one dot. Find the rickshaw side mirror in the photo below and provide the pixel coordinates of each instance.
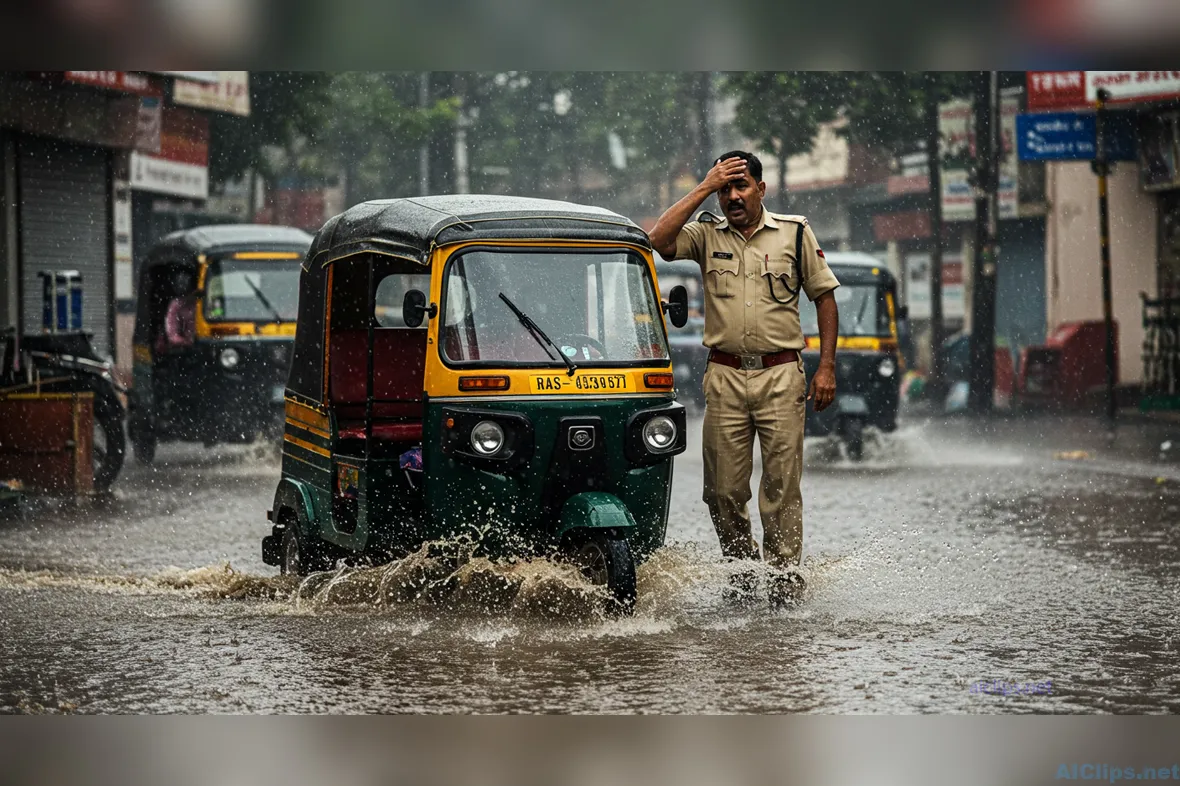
(677, 306)
(414, 308)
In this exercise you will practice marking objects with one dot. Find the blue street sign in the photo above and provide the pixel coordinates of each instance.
(1064, 136)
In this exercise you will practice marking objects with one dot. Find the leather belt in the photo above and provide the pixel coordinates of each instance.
(753, 362)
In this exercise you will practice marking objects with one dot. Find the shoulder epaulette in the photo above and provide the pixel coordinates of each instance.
(797, 219)
(705, 217)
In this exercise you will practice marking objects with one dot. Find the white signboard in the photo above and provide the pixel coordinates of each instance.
(917, 286)
(151, 173)
(121, 218)
(230, 93)
(956, 126)
(1130, 85)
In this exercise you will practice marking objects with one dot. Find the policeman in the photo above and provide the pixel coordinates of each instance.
(754, 264)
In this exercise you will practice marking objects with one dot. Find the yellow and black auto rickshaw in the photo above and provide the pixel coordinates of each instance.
(869, 362)
(489, 368)
(214, 327)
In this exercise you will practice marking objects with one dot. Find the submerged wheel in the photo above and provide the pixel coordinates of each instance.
(854, 438)
(606, 561)
(109, 445)
(300, 558)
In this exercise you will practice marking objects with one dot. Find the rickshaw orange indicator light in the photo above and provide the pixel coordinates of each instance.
(483, 383)
(450, 422)
(658, 380)
(267, 255)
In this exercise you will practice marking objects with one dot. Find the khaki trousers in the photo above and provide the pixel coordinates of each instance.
(771, 403)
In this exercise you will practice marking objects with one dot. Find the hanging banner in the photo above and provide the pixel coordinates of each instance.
(917, 285)
(956, 127)
(182, 166)
(229, 94)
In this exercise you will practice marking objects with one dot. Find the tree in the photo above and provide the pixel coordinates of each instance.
(898, 112)
(370, 128)
(284, 107)
(781, 111)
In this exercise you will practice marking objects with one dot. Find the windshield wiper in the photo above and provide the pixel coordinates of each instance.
(274, 312)
(538, 334)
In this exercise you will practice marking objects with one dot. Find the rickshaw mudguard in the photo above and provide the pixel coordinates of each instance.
(594, 510)
(295, 495)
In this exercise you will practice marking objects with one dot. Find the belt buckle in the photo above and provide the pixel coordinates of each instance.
(751, 362)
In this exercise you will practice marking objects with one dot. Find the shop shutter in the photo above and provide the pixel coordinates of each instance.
(65, 225)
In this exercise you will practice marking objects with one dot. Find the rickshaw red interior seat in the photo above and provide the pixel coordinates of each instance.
(399, 361)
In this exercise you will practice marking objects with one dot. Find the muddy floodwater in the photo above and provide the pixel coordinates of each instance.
(955, 565)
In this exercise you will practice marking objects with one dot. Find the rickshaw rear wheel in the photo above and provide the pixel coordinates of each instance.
(301, 558)
(605, 560)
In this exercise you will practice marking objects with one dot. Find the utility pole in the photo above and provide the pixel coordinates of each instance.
(462, 186)
(937, 385)
(983, 289)
(1102, 169)
(704, 81)
(424, 148)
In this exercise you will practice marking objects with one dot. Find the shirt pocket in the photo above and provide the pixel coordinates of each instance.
(722, 277)
(782, 277)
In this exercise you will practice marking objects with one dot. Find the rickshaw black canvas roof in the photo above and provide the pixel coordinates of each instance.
(230, 237)
(410, 228)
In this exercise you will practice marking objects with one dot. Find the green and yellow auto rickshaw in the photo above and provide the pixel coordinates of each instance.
(214, 328)
(489, 368)
(869, 363)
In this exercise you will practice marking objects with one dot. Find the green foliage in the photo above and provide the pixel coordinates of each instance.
(284, 107)
(887, 109)
(370, 130)
(782, 110)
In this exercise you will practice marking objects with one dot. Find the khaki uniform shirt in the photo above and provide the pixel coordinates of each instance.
(742, 316)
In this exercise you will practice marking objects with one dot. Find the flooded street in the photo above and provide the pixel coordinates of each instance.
(1021, 551)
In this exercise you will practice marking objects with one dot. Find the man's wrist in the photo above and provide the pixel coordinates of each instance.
(827, 363)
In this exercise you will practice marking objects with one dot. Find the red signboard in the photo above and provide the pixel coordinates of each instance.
(1056, 89)
(184, 136)
(127, 81)
(1079, 89)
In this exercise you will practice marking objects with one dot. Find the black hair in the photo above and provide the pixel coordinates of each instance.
(753, 165)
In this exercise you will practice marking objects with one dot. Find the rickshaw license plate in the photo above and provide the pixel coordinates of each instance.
(579, 383)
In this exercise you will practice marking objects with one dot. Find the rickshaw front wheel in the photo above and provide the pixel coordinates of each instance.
(854, 438)
(605, 560)
(301, 558)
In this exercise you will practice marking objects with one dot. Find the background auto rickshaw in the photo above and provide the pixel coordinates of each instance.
(489, 367)
(214, 327)
(690, 356)
(869, 364)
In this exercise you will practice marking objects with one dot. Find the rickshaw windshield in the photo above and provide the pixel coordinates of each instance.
(600, 308)
(862, 311)
(252, 290)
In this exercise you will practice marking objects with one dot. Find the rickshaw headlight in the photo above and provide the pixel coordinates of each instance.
(229, 358)
(887, 368)
(659, 433)
(487, 438)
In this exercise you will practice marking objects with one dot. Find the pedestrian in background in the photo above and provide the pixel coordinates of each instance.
(754, 264)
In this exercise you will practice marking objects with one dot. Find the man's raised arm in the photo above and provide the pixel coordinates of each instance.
(663, 235)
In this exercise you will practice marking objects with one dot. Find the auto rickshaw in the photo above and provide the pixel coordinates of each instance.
(486, 368)
(869, 363)
(214, 328)
(690, 356)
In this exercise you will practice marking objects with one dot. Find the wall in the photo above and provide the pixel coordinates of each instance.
(1072, 257)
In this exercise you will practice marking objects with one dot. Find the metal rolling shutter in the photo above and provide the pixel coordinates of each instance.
(65, 225)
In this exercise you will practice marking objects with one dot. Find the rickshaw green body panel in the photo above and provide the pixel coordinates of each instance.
(507, 512)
